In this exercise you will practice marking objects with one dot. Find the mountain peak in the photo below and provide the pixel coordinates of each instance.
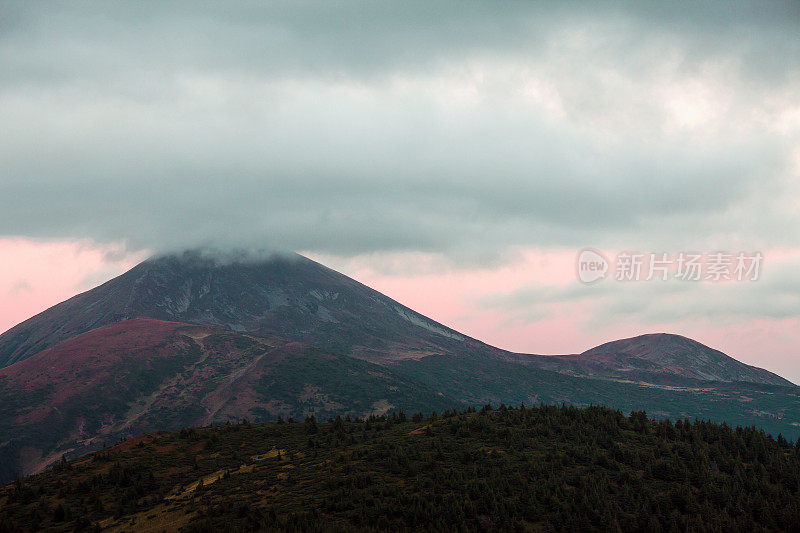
(261, 293)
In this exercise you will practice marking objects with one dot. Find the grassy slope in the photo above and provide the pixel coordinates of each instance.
(479, 381)
(512, 469)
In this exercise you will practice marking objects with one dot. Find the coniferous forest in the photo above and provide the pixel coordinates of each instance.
(546, 468)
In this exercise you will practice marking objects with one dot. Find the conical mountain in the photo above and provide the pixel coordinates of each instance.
(287, 295)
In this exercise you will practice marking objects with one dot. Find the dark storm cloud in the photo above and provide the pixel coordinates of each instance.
(347, 128)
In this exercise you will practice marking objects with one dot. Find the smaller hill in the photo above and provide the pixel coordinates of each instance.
(663, 353)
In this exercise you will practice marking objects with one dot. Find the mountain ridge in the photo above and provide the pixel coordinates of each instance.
(294, 297)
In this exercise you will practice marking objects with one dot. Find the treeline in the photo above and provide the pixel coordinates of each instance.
(545, 468)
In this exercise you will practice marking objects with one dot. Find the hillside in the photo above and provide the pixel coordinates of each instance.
(545, 468)
(145, 375)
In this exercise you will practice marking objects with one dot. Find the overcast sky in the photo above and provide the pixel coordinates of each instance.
(473, 135)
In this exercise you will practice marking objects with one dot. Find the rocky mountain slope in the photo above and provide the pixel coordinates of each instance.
(290, 296)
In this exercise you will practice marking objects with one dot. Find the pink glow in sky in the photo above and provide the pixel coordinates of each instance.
(35, 275)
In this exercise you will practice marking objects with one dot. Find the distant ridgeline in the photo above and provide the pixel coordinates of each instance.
(546, 468)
